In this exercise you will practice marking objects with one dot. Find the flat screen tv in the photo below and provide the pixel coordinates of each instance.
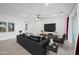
(50, 27)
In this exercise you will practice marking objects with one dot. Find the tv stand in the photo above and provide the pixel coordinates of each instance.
(43, 34)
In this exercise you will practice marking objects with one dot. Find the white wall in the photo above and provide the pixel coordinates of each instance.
(36, 27)
(19, 25)
(60, 23)
(33, 26)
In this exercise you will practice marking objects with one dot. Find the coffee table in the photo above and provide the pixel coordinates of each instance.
(53, 47)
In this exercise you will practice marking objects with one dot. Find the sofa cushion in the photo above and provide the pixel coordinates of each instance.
(35, 36)
(34, 39)
(24, 35)
(44, 42)
(38, 37)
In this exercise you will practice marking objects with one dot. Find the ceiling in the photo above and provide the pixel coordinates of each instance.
(30, 10)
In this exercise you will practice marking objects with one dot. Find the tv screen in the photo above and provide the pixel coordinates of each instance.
(50, 27)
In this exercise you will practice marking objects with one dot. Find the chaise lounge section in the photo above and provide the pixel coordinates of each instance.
(34, 45)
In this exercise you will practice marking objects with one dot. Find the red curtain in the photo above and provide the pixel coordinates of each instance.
(77, 46)
(67, 24)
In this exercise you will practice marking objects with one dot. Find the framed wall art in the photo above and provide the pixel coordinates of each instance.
(10, 27)
(3, 26)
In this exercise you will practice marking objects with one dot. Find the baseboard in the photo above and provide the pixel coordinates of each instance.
(7, 39)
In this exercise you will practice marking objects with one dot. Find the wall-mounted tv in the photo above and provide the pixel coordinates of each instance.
(50, 27)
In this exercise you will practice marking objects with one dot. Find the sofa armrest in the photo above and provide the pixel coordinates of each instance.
(44, 42)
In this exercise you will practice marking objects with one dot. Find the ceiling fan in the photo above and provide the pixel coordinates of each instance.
(40, 17)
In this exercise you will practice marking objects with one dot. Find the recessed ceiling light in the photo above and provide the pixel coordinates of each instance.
(23, 15)
(46, 4)
(54, 15)
(61, 12)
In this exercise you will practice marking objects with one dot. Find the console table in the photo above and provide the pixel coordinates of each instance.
(43, 34)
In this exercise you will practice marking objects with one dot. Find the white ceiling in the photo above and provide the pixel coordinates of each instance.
(29, 10)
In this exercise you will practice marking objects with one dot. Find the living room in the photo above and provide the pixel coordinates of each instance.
(37, 19)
